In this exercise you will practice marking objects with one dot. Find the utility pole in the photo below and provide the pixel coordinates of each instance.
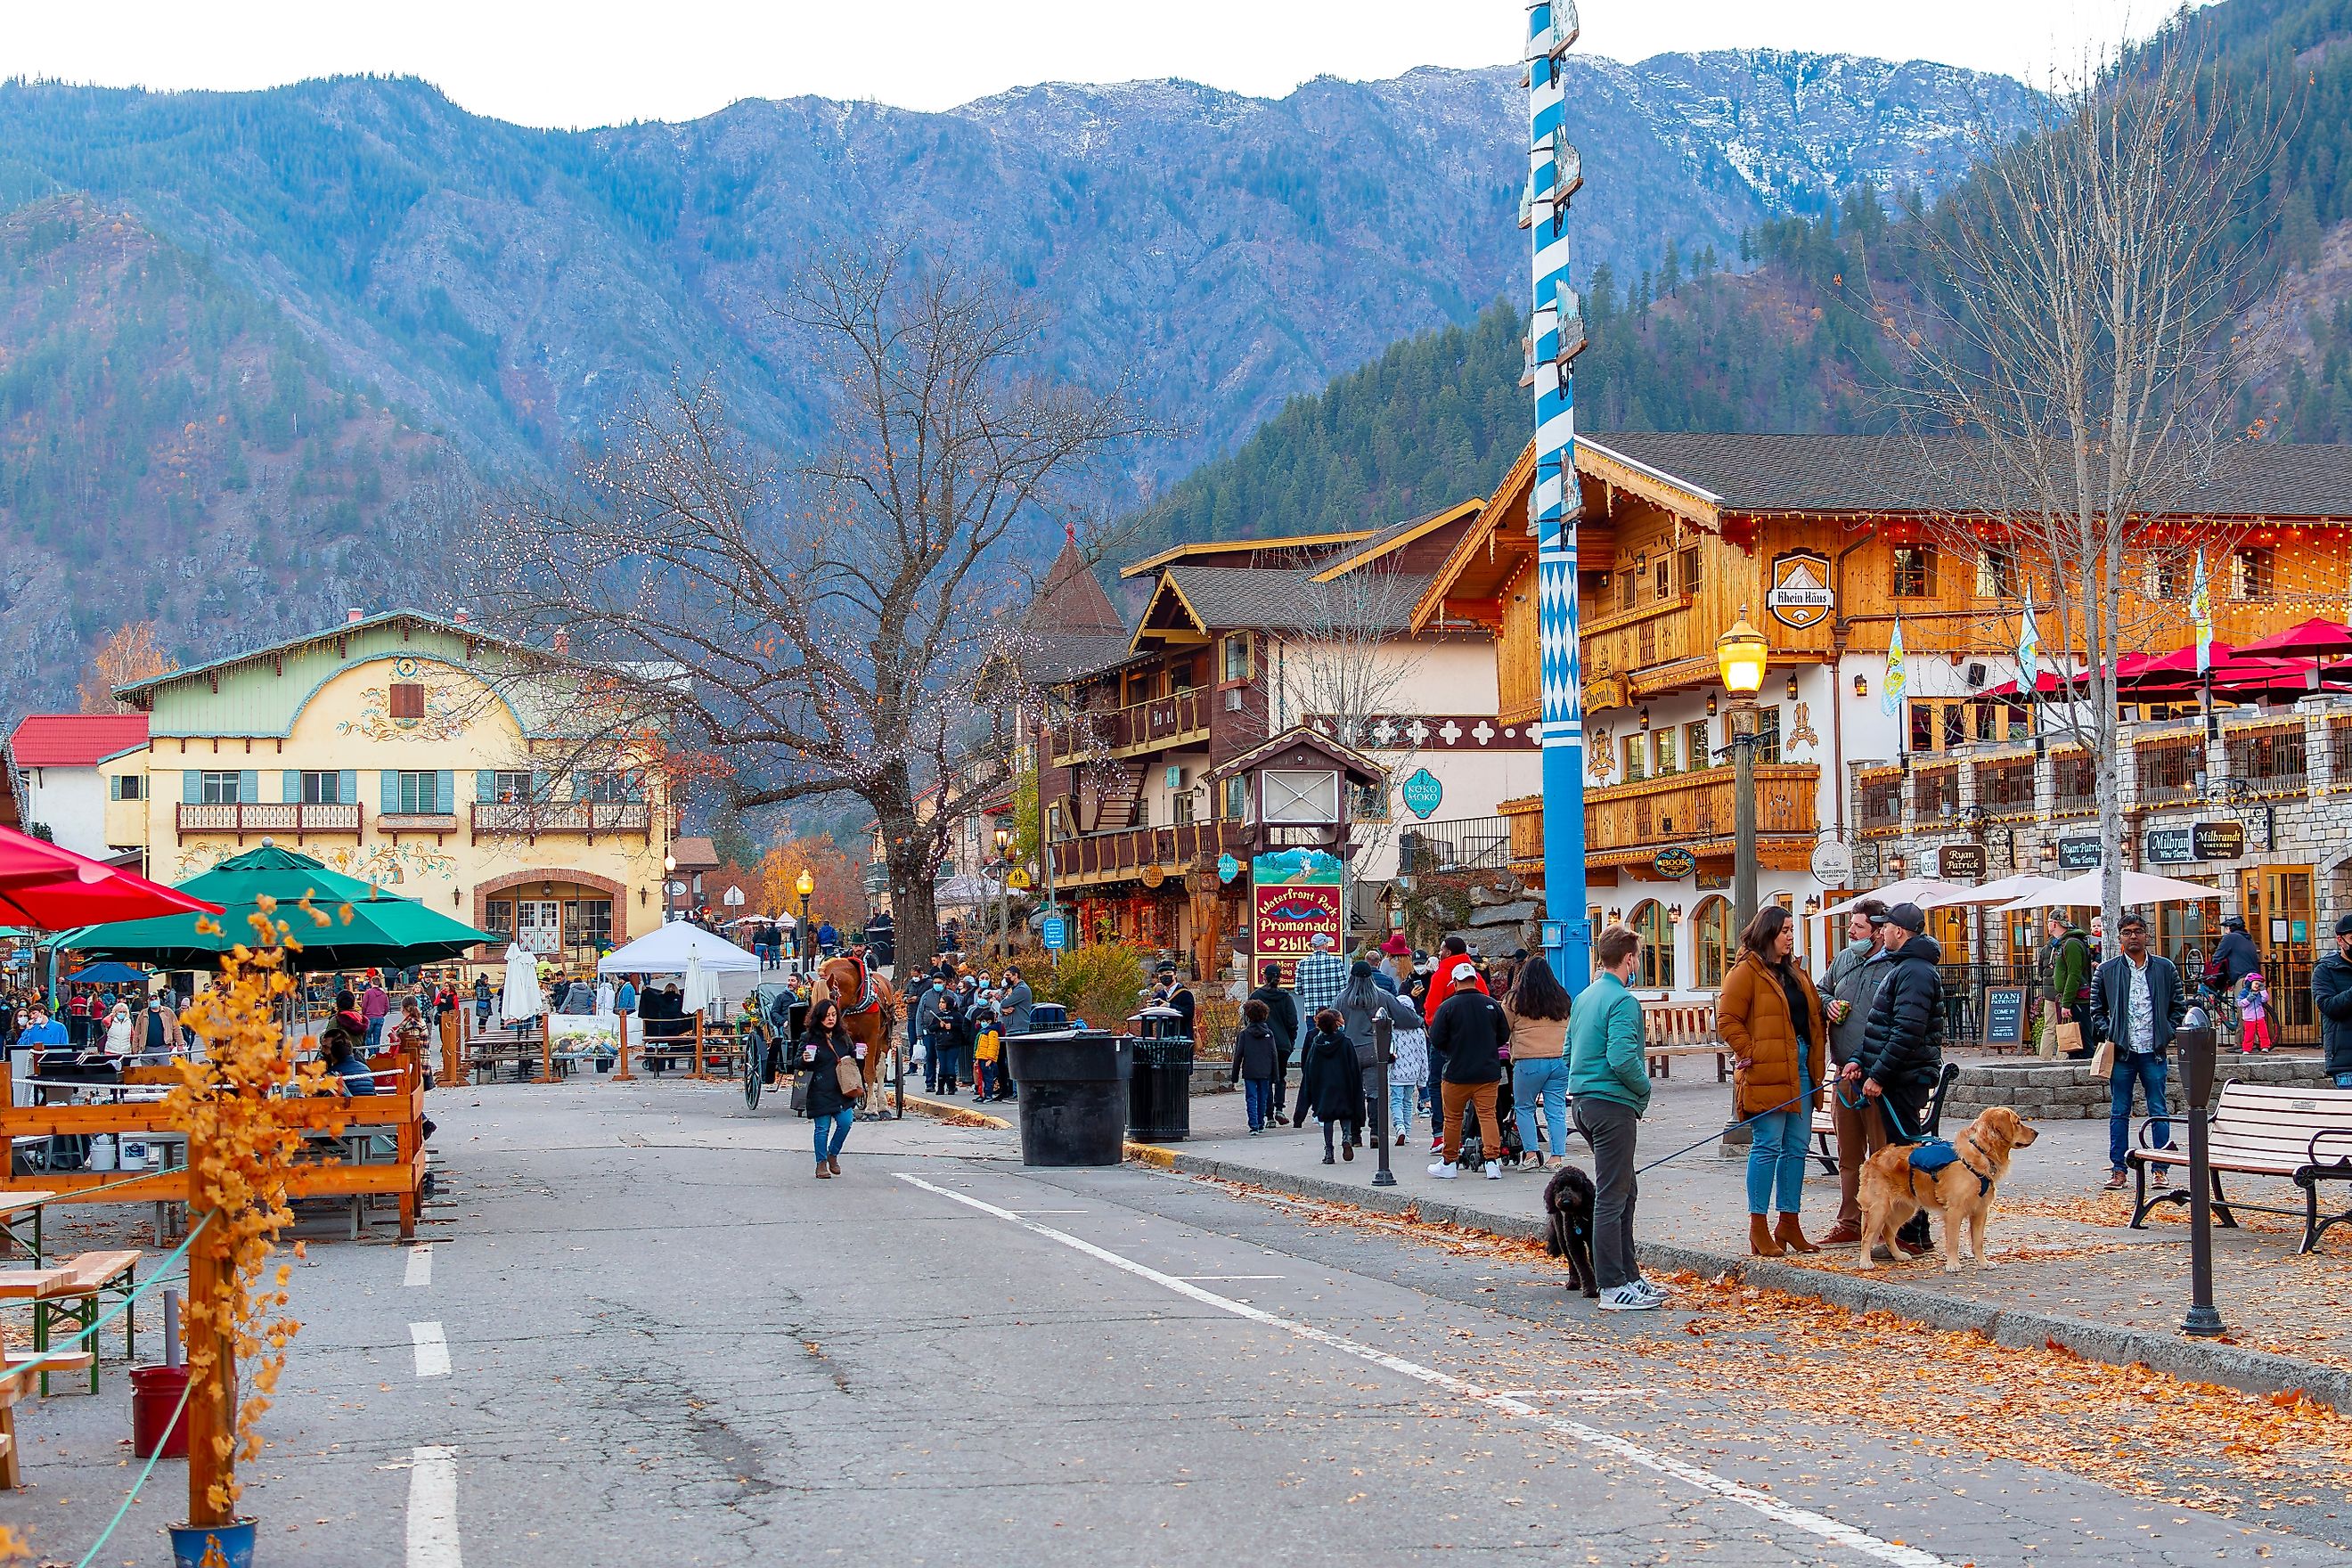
(1554, 172)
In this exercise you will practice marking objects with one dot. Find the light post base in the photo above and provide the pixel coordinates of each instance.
(2204, 1322)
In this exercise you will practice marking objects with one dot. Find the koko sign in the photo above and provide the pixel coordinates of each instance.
(1800, 597)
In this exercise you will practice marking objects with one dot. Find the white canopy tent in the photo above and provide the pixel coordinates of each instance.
(2139, 888)
(667, 951)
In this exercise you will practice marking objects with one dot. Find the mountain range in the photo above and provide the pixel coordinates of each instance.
(259, 352)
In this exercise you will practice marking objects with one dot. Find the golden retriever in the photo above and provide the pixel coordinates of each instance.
(1962, 1192)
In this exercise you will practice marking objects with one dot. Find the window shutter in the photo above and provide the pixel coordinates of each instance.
(539, 784)
(291, 789)
(445, 791)
(485, 784)
(347, 787)
(248, 787)
(390, 791)
(192, 787)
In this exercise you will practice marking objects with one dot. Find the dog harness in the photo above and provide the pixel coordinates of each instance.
(1930, 1155)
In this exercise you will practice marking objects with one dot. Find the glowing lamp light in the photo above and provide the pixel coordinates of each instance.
(1741, 654)
(805, 885)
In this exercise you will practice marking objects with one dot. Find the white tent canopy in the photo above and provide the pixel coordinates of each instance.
(1925, 891)
(665, 952)
(2139, 888)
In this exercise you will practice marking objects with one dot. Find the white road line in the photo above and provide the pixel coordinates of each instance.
(433, 1510)
(432, 1349)
(420, 1265)
(1765, 1503)
(1228, 1276)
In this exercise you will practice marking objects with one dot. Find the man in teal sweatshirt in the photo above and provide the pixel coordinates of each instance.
(1609, 1086)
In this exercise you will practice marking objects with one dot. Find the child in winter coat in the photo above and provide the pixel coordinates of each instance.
(2254, 1014)
(1257, 1057)
(1330, 1083)
(987, 1045)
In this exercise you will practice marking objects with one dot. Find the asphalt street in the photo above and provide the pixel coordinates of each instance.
(640, 1332)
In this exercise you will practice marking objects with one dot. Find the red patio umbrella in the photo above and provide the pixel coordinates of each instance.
(2315, 638)
(51, 887)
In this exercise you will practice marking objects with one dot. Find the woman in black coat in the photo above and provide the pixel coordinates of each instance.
(824, 1044)
(1331, 1085)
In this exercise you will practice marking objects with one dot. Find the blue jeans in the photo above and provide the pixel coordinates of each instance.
(1403, 1099)
(2344, 1081)
(481, 1015)
(1776, 1160)
(1257, 1094)
(375, 1035)
(832, 1131)
(1544, 1080)
(983, 1080)
(2146, 1070)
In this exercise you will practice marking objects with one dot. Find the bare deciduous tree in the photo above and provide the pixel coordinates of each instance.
(2088, 318)
(828, 624)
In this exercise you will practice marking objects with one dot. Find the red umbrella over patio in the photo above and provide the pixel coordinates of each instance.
(2315, 638)
(51, 887)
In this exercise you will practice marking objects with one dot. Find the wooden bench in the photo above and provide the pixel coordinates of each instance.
(68, 1294)
(17, 1380)
(2304, 1135)
(1671, 1029)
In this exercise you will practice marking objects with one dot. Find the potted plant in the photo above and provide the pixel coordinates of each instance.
(245, 1107)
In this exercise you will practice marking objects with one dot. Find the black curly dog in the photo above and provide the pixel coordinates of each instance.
(1568, 1199)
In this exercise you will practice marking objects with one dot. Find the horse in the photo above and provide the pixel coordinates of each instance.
(869, 1009)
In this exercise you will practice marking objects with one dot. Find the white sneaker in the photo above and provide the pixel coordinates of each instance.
(1655, 1292)
(1494, 1172)
(1627, 1298)
(1444, 1172)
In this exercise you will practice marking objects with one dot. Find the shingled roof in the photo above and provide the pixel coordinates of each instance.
(1228, 597)
(1949, 475)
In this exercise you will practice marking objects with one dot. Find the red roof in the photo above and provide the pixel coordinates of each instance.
(75, 739)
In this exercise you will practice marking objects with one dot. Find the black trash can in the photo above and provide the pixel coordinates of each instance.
(1159, 1092)
(1073, 1096)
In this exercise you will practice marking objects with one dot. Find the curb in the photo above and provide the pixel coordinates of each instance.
(957, 1116)
(2231, 1366)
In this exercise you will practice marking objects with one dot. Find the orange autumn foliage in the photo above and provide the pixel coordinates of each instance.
(840, 895)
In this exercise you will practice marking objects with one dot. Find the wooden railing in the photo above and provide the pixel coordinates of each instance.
(530, 819)
(289, 817)
(1693, 810)
(1107, 856)
(1162, 723)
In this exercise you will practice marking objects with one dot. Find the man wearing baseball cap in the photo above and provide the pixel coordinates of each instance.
(1902, 1053)
(1470, 1032)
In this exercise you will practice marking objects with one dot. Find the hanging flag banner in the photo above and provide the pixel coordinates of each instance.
(1892, 686)
(2201, 614)
(2029, 652)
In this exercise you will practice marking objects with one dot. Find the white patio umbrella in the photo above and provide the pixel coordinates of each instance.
(522, 998)
(699, 991)
(2139, 888)
(1991, 894)
(1920, 890)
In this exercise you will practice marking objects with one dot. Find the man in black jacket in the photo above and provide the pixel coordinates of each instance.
(1901, 1054)
(1282, 1017)
(2331, 992)
(1470, 1032)
(2137, 1003)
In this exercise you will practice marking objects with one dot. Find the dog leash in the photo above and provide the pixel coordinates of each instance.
(1703, 1143)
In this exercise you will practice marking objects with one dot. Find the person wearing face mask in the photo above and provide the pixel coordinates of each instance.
(2331, 992)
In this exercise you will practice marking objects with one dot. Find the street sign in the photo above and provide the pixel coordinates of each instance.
(732, 898)
(1833, 863)
(1055, 932)
(1228, 867)
(1018, 881)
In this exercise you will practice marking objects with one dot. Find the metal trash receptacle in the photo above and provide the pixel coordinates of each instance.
(1073, 1096)
(1160, 1089)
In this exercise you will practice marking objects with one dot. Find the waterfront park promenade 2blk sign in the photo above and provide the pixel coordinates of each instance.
(1293, 894)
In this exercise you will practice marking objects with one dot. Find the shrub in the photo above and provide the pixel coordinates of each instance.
(1099, 984)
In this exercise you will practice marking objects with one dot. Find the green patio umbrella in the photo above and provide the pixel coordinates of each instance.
(385, 930)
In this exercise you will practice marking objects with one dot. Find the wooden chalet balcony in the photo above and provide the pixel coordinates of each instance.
(535, 820)
(242, 818)
(1161, 724)
(1627, 823)
(1125, 853)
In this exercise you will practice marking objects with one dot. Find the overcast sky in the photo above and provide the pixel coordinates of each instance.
(590, 62)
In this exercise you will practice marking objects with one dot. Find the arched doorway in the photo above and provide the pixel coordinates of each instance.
(1649, 922)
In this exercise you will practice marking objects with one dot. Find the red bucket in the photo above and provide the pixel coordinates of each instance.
(156, 1393)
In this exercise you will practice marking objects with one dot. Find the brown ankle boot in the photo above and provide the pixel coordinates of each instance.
(1759, 1237)
(1787, 1234)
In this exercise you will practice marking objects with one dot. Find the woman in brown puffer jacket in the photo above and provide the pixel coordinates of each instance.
(1770, 1018)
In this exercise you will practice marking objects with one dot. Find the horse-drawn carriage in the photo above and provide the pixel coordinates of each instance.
(869, 1011)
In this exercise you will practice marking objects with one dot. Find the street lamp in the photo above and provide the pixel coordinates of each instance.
(1004, 836)
(805, 885)
(1741, 656)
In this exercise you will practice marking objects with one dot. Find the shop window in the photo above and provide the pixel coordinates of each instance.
(1662, 751)
(2251, 574)
(498, 915)
(1655, 971)
(1696, 746)
(1711, 938)
(589, 921)
(1879, 803)
(1915, 572)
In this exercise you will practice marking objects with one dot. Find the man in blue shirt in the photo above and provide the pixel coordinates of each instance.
(41, 1031)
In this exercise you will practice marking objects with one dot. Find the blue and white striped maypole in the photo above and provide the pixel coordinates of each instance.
(1557, 336)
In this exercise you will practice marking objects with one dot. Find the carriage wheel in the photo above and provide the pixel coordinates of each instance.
(755, 1074)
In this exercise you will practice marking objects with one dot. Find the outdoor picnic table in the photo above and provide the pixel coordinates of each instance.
(13, 1207)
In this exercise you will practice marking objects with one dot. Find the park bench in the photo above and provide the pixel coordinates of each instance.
(2304, 1135)
(1671, 1029)
(17, 1379)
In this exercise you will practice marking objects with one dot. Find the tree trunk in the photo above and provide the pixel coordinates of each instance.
(914, 897)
